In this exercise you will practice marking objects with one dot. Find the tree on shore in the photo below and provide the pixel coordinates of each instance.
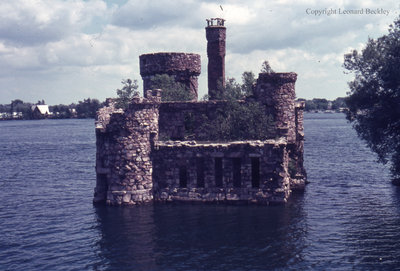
(87, 108)
(374, 101)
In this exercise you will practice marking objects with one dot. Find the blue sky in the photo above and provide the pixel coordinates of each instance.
(65, 51)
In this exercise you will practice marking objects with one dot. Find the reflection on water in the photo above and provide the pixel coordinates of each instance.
(347, 219)
(196, 237)
(127, 238)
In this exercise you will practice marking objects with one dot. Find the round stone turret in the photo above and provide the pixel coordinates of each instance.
(185, 68)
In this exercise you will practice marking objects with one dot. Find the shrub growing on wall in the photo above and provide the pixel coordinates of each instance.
(126, 93)
(239, 118)
(171, 90)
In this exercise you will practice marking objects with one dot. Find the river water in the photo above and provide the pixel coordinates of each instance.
(347, 219)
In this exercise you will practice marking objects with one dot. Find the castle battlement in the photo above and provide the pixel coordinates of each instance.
(143, 154)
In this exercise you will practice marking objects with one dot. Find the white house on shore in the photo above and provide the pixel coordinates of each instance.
(40, 111)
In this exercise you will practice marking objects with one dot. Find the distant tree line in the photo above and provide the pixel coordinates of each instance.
(234, 113)
(317, 104)
(19, 109)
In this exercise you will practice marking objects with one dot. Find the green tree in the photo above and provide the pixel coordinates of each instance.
(239, 118)
(321, 104)
(248, 83)
(171, 90)
(87, 108)
(15, 104)
(239, 121)
(61, 111)
(126, 93)
(20, 106)
(235, 90)
(374, 101)
(265, 67)
(339, 103)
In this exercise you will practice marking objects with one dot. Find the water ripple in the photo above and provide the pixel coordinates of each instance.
(347, 219)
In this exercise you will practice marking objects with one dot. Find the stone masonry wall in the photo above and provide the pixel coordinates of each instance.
(133, 166)
(297, 152)
(262, 167)
(174, 116)
(216, 36)
(277, 92)
(184, 67)
(124, 166)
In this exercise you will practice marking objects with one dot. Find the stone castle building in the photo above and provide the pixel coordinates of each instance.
(143, 156)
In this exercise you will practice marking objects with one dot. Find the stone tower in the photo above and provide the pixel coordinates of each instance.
(216, 36)
(124, 143)
(185, 68)
(277, 92)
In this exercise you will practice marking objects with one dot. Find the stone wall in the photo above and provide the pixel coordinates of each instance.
(297, 149)
(277, 92)
(135, 165)
(123, 165)
(174, 118)
(185, 68)
(250, 172)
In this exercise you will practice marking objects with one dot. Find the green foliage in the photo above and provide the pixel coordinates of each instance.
(237, 119)
(18, 106)
(316, 104)
(206, 97)
(87, 108)
(61, 111)
(126, 93)
(374, 101)
(171, 90)
(248, 83)
(5, 108)
(266, 67)
(235, 90)
(339, 103)
(84, 109)
(232, 90)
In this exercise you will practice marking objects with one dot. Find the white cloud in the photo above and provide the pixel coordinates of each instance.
(66, 50)
(26, 22)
